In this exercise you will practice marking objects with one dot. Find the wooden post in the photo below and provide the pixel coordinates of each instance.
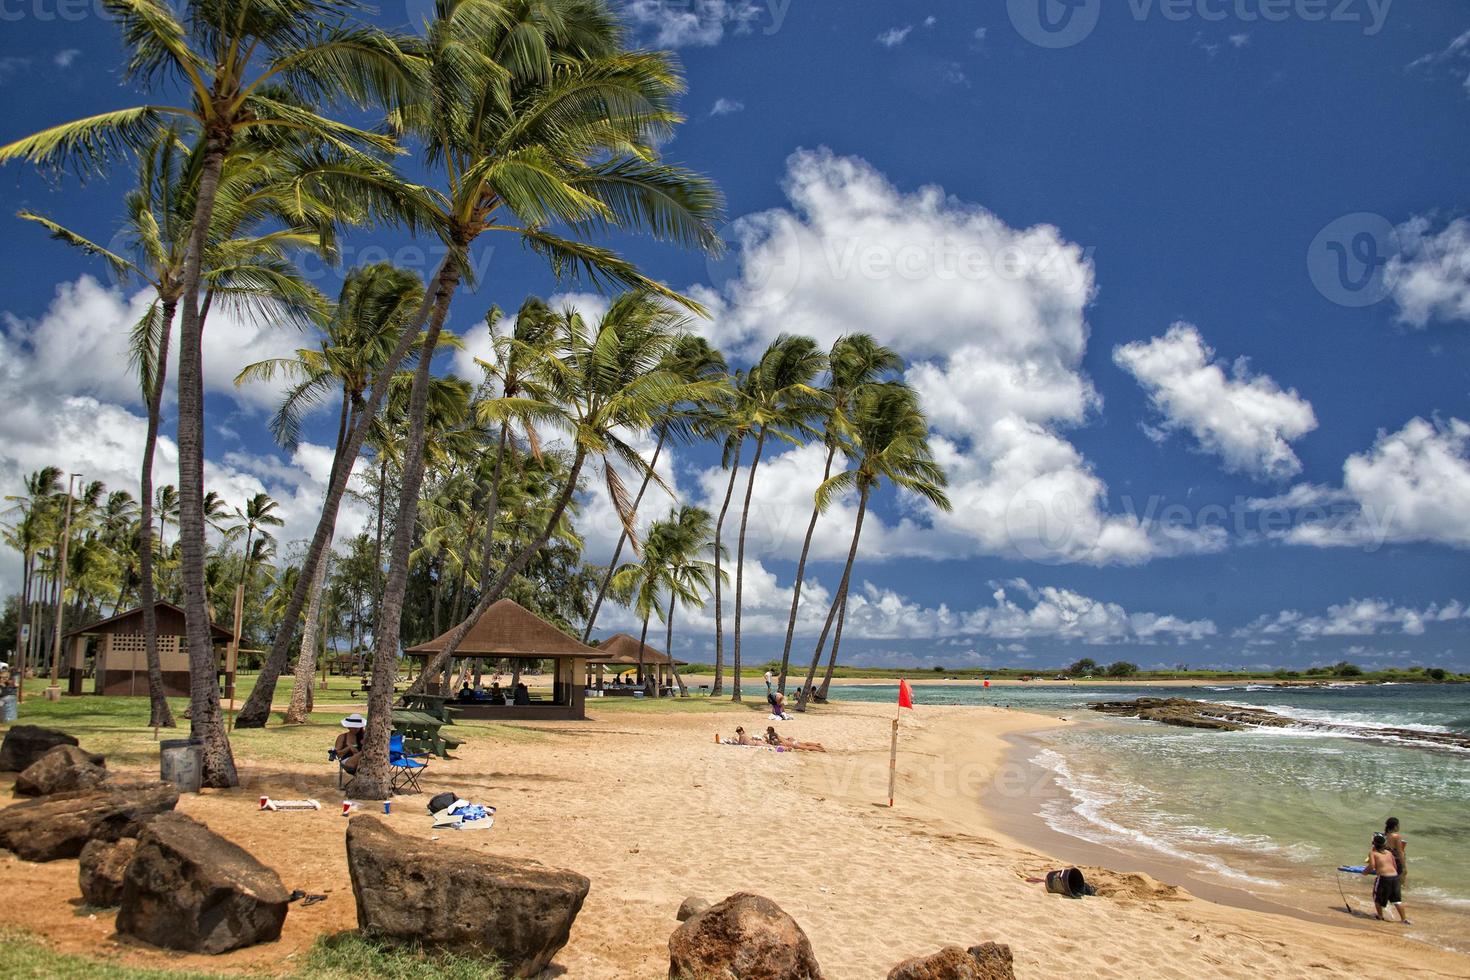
(893, 762)
(232, 653)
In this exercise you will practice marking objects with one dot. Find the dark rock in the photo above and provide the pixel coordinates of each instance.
(62, 769)
(988, 961)
(1185, 713)
(447, 897)
(101, 868)
(49, 828)
(24, 744)
(188, 888)
(745, 937)
(691, 906)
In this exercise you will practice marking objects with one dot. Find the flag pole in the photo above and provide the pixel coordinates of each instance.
(893, 762)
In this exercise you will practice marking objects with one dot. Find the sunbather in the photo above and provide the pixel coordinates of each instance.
(790, 743)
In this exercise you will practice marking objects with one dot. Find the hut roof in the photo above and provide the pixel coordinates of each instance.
(623, 649)
(509, 629)
(169, 617)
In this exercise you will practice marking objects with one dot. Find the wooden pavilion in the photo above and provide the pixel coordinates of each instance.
(620, 653)
(114, 652)
(509, 631)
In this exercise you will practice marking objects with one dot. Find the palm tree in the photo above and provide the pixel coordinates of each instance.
(733, 425)
(603, 383)
(254, 70)
(258, 514)
(890, 441)
(30, 536)
(689, 536)
(855, 360)
(779, 401)
(694, 359)
(537, 115)
(359, 339)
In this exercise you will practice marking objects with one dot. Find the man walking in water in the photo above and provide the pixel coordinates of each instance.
(1388, 889)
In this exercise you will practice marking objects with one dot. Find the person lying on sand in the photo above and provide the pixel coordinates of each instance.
(790, 743)
(741, 738)
(1388, 889)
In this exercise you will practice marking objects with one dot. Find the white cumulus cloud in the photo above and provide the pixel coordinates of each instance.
(1247, 420)
(1430, 275)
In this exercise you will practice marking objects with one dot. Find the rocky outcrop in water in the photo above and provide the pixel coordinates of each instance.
(1185, 713)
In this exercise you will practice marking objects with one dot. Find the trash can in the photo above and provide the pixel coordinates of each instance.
(8, 709)
(1068, 882)
(181, 762)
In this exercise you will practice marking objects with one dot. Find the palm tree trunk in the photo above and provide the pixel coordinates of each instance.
(257, 707)
(159, 714)
(839, 601)
(373, 777)
(642, 645)
(206, 723)
(507, 574)
(806, 545)
(27, 616)
(669, 649)
(719, 684)
(492, 507)
(760, 443)
(658, 448)
(821, 695)
(300, 707)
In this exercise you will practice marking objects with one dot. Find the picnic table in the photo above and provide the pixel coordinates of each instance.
(430, 704)
(421, 732)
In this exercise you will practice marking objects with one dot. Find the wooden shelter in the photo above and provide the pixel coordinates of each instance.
(619, 653)
(115, 653)
(509, 631)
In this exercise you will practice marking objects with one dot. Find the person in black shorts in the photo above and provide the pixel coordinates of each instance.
(1388, 889)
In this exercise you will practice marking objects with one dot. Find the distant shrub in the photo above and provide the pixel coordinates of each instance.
(1122, 668)
(1437, 673)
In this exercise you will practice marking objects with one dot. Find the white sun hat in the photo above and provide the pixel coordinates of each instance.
(354, 720)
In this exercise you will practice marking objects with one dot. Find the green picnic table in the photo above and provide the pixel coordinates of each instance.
(421, 732)
(431, 704)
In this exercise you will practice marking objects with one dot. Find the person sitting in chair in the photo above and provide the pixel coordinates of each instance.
(497, 696)
(523, 694)
(349, 743)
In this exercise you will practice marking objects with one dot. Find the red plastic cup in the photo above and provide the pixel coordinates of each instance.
(263, 801)
(346, 807)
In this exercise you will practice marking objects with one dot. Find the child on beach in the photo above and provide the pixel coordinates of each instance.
(1398, 845)
(1388, 889)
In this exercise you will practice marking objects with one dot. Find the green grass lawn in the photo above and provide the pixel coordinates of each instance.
(344, 956)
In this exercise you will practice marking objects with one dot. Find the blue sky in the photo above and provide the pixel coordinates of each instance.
(1178, 429)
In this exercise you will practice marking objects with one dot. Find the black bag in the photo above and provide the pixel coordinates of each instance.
(442, 801)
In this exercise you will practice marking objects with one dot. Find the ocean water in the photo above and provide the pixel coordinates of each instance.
(1274, 812)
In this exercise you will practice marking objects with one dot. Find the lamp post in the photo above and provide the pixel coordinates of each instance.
(53, 693)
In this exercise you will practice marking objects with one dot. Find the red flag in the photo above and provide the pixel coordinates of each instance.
(905, 695)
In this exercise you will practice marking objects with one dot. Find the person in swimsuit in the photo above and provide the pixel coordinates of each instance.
(790, 743)
(349, 743)
(741, 738)
(1398, 845)
(1388, 889)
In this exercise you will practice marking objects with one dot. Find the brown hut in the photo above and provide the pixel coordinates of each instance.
(619, 653)
(114, 652)
(509, 631)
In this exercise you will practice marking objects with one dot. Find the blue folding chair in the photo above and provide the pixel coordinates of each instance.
(406, 766)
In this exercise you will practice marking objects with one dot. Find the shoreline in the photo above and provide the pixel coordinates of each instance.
(695, 679)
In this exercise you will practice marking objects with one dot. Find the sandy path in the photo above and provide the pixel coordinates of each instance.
(652, 810)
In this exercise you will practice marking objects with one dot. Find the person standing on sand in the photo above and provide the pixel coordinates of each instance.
(1388, 889)
(770, 681)
(1398, 846)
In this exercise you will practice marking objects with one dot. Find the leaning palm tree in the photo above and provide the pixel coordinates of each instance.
(694, 359)
(604, 383)
(854, 361)
(890, 442)
(255, 70)
(358, 340)
(644, 582)
(731, 426)
(780, 401)
(536, 115)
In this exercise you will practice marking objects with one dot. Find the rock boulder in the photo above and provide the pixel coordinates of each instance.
(188, 888)
(62, 769)
(988, 961)
(58, 826)
(745, 937)
(24, 744)
(447, 897)
(690, 907)
(101, 868)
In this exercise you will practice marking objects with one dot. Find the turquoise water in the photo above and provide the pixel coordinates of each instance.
(1271, 811)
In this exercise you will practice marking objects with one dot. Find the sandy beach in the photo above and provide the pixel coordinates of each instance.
(653, 809)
